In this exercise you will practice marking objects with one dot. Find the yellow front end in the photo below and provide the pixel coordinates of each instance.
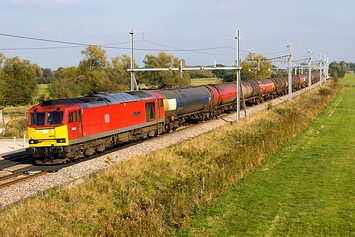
(48, 136)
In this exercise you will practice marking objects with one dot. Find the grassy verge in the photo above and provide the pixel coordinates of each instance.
(158, 193)
(305, 189)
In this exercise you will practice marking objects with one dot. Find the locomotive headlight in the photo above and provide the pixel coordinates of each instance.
(62, 140)
(33, 141)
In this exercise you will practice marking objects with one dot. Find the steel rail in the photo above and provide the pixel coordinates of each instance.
(21, 179)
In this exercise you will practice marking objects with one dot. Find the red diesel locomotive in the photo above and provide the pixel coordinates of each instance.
(67, 129)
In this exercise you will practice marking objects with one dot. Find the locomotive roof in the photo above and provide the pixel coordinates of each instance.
(103, 99)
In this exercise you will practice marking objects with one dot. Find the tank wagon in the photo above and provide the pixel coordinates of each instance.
(63, 130)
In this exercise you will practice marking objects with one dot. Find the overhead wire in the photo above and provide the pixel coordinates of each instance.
(107, 45)
(110, 46)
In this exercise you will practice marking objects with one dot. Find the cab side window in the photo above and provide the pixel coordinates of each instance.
(73, 117)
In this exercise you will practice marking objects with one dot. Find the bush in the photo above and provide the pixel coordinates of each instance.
(15, 128)
(323, 91)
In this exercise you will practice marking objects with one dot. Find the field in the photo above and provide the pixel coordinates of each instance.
(204, 81)
(42, 90)
(305, 189)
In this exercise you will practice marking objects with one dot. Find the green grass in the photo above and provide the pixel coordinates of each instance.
(305, 189)
(349, 79)
(22, 109)
(42, 90)
(204, 81)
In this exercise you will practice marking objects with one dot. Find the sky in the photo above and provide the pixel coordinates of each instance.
(194, 30)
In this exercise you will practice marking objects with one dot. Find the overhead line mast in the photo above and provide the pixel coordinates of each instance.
(134, 86)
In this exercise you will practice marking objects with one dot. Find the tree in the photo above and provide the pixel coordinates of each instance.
(69, 73)
(352, 66)
(164, 79)
(224, 74)
(344, 67)
(252, 70)
(65, 84)
(336, 70)
(2, 59)
(92, 69)
(95, 57)
(201, 74)
(38, 69)
(47, 76)
(63, 88)
(47, 72)
(119, 76)
(20, 79)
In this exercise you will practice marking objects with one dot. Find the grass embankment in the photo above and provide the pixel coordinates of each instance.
(305, 189)
(158, 193)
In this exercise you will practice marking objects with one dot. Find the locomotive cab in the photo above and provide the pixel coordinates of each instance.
(48, 132)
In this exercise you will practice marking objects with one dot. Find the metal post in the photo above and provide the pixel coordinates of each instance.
(134, 85)
(132, 65)
(310, 70)
(296, 69)
(327, 67)
(181, 68)
(259, 64)
(241, 90)
(289, 72)
(320, 68)
(238, 79)
(324, 66)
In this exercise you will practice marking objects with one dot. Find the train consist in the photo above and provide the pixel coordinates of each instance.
(63, 130)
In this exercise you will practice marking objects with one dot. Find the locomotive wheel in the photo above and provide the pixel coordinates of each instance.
(167, 128)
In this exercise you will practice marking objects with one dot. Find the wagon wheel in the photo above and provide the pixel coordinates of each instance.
(167, 128)
(172, 127)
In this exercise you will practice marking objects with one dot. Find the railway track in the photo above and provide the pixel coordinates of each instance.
(13, 160)
(10, 179)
